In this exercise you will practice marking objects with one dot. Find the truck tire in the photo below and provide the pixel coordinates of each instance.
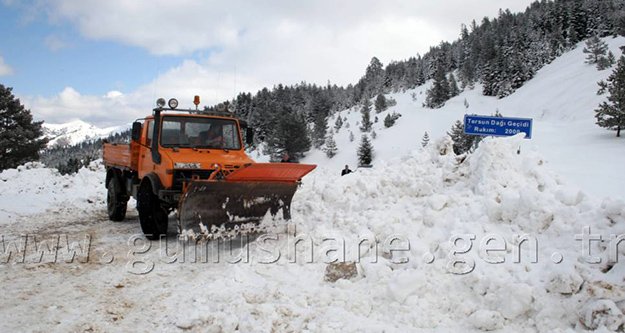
(152, 217)
(116, 204)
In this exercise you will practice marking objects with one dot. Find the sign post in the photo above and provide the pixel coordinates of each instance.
(497, 126)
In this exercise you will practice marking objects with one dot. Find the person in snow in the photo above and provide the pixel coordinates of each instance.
(346, 171)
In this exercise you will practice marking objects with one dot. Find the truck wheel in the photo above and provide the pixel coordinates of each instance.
(152, 217)
(115, 203)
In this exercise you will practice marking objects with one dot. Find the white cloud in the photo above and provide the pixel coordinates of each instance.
(4, 68)
(247, 45)
(280, 41)
(114, 108)
(111, 109)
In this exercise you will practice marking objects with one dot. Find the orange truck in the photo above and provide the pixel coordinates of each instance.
(194, 162)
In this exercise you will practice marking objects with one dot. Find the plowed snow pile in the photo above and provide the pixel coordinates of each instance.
(434, 214)
(33, 188)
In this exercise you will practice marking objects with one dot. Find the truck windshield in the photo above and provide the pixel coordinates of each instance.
(200, 132)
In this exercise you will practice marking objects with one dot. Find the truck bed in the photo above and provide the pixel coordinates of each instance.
(123, 156)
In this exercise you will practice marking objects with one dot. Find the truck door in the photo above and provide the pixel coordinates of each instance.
(146, 165)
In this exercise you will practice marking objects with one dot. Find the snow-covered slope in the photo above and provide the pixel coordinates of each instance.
(75, 132)
(561, 99)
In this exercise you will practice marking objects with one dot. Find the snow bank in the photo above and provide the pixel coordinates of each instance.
(460, 227)
(33, 188)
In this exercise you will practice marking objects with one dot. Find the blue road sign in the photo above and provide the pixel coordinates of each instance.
(497, 126)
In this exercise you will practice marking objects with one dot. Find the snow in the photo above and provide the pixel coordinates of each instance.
(39, 189)
(561, 99)
(499, 240)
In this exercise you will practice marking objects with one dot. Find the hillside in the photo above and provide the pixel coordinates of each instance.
(561, 99)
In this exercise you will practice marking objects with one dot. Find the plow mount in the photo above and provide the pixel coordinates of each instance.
(243, 197)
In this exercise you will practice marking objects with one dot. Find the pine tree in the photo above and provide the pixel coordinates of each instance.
(320, 129)
(374, 78)
(438, 94)
(453, 86)
(390, 119)
(290, 135)
(606, 62)
(320, 109)
(596, 50)
(338, 123)
(611, 114)
(366, 116)
(463, 143)
(425, 140)
(330, 148)
(20, 137)
(380, 103)
(365, 151)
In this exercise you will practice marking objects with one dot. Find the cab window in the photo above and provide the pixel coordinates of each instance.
(200, 132)
(150, 129)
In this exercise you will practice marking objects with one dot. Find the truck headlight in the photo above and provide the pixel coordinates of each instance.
(173, 103)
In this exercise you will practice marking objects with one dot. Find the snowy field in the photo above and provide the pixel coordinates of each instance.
(496, 241)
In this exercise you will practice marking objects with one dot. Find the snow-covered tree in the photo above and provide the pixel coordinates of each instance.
(20, 137)
(453, 86)
(606, 62)
(425, 140)
(330, 148)
(374, 78)
(365, 151)
(320, 110)
(320, 129)
(338, 123)
(366, 116)
(463, 143)
(380, 103)
(596, 50)
(611, 114)
(290, 135)
(438, 94)
(390, 119)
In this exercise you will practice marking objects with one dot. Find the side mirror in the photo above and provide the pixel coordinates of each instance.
(136, 131)
(249, 136)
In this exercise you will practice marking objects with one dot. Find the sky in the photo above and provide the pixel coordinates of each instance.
(106, 62)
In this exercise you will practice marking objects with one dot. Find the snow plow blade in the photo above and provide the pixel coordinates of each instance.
(244, 196)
